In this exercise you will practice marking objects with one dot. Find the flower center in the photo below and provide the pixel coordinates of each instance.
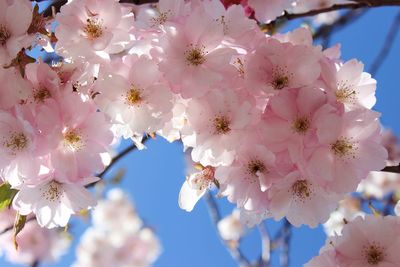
(17, 142)
(53, 192)
(4, 34)
(161, 18)
(301, 125)
(256, 166)
(221, 125)
(73, 140)
(374, 254)
(280, 82)
(301, 190)
(133, 96)
(280, 78)
(345, 93)
(195, 56)
(342, 147)
(203, 179)
(93, 29)
(41, 95)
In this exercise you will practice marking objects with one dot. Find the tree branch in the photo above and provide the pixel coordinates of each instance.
(395, 169)
(9, 228)
(215, 215)
(119, 156)
(387, 45)
(357, 5)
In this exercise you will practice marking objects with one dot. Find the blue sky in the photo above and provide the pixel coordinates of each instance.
(154, 176)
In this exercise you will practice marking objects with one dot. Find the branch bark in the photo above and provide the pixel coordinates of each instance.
(395, 169)
(357, 5)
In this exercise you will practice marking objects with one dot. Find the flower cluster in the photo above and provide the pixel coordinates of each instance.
(35, 244)
(282, 127)
(117, 237)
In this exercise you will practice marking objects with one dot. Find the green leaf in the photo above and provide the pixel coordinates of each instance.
(19, 224)
(6, 195)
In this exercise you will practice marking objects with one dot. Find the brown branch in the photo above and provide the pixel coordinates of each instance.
(120, 156)
(9, 228)
(394, 169)
(215, 215)
(387, 45)
(357, 5)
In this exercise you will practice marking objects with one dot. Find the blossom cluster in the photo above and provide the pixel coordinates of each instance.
(35, 243)
(282, 127)
(117, 237)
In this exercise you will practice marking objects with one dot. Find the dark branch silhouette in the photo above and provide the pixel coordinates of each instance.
(395, 169)
(387, 45)
(357, 5)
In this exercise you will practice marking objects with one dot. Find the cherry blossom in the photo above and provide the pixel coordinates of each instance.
(301, 200)
(195, 52)
(52, 200)
(372, 241)
(15, 19)
(93, 28)
(215, 122)
(272, 68)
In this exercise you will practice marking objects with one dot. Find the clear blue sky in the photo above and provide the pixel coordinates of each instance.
(154, 176)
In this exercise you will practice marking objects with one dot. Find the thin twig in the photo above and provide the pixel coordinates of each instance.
(395, 169)
(215, 215)
(387, 45)
(9, 228)
(266, 246)
(286, 234)
(119, 156)
(359, 4)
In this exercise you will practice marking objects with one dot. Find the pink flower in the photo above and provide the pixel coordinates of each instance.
(300, 200)
(53, 200)
(275, 66)
(194, 50)
(289, 120)
(215, 123)
(45, 84)
(19, 149)
(348, 84)
(136, 98)
(166, 12)
(238, 30)
(77, 133)
(251, 173)
(373, 241)
(349, 148)
(15, 19)
(194, 187)
(14, 89)
(93, 28)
